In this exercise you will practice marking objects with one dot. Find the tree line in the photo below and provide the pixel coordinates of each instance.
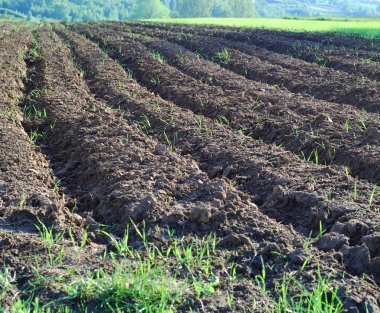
(86, 10)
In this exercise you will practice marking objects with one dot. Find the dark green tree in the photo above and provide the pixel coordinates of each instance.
(85, 10)
(145, 9)
(194, 8)
(242, 8)
(221, 8)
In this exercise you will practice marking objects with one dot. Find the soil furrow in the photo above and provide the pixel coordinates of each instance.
(297, 76)
(101, 154)
(28, 195)
(324, 57)
(128, 158)
(349, 64)
(366, 61)
(355, 54)
(142, 178)
(347, 42)
(367, 51)
(239, 111)
(118, 172)
(355, 44)
(168, 169)
(263, 178)
(26, 181)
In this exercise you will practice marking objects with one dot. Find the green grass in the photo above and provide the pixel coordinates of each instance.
(323, 299)
(356, 26)
(151, 278)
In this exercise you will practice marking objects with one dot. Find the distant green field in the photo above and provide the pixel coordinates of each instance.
(359, 26)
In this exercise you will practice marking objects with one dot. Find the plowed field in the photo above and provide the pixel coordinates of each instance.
(176, 168)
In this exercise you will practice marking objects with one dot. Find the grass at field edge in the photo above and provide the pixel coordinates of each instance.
(369, 28)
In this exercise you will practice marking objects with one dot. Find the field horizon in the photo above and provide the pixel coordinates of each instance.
(365, 27)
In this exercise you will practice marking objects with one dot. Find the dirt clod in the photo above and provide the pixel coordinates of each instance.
(160, 149)
(230, 240)
(298, 256)
(234, 240)
(374, 133)
(332, 241)
(144, 207)
(268, 248)
(91, 224)
(375, 265)
(215, 172)
(323, 118)
(201, 213)
(172, 219)
(353, 229)
(356, 259)
(373, 243)
(230, 170)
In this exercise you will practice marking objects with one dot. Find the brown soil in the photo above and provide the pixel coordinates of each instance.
(185, 140)
(170, 199)
(363, 64)
(122, 152)
(329, 56)
(250, 116)
(296, 75)
(354, 43)
(26, 179)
